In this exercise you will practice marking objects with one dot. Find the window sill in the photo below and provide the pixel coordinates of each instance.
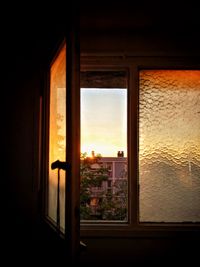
(142, 230)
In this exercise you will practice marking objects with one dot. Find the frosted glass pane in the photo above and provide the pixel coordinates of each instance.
(169, 146)
(57, 139)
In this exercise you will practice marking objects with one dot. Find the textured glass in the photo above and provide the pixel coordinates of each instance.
(169, 146)
(57, 137)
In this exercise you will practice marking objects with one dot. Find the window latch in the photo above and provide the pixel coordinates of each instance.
(60, 165)
(64, 166)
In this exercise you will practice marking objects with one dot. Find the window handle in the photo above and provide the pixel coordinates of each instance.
(64, 166)
(60, 165)
(83, 246)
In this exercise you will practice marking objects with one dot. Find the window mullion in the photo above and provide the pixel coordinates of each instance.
(133, 146)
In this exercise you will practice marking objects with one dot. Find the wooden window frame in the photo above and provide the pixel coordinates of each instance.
(72, 218)
(133, 65)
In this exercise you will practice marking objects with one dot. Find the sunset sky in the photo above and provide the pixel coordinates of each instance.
(104, 121)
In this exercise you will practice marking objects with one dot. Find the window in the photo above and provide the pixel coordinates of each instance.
(163, 164)
(150, 177)
(62, 144)
(57, 138)
(169, 145)
(103, 146)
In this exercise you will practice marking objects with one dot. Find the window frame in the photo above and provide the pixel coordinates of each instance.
(46, 137)
(72, 221)
(132, 65)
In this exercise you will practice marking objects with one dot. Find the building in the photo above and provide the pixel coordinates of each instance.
(114, 187)
(117, 167)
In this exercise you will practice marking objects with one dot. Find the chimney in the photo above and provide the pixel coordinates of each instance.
(93, 154)
(120, 154)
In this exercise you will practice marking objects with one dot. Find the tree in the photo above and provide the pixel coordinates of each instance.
(108, 204)
(92, 175)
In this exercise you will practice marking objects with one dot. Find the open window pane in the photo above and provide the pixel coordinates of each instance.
(57, 138)
(104, 146)
(169, 145)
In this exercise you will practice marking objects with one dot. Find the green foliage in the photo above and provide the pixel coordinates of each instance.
(110, 205)
(90, 178)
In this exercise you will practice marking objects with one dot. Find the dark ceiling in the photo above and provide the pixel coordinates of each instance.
(135, 16)
(33, 27)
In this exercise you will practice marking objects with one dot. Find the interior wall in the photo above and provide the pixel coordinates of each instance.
(28, 46)
(152, 28)
(140, 251)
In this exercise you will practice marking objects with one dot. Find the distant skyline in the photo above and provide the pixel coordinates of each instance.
(104, 121)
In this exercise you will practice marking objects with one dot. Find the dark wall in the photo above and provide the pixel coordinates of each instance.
(140, 28)
(140, 251)
(25, 57)
(28, 45)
